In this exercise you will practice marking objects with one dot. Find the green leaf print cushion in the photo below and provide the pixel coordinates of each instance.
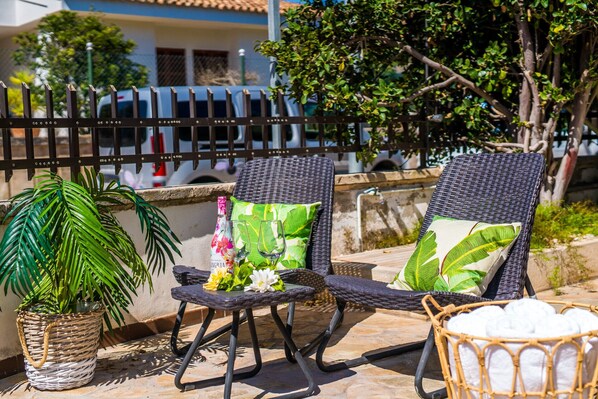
(457, 256)
(297, 221)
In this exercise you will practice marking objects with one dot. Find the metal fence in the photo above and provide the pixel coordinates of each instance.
(332, 133)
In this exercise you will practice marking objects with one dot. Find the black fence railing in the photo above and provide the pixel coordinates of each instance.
(211, 125)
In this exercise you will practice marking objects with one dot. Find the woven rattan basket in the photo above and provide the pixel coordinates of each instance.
(60, 349)
(563, 367)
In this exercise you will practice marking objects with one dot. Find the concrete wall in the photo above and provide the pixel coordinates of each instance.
(191, 211)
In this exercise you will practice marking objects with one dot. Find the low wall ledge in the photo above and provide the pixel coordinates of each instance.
(198, 193)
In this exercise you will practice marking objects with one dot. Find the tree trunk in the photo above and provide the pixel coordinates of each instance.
(578, 115)
(567, 166)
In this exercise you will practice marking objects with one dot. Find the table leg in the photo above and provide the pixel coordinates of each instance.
(229, 377)
(312, 387)
(232, 351)
(174, 337)
(191, 352)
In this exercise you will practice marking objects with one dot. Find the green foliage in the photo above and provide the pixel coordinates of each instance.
(57, 52)
(241, 278)
(64, 245)
(238, 279)
(387, 239)
(15, 94)
(353, 52)
(561, 224)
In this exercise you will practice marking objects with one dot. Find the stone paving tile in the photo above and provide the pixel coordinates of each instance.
(145, 368)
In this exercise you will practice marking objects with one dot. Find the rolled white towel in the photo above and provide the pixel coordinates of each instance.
(531, 309)
(471, 324)
(556, 325)
(489, 312)
(565, 356)
(499, 359)
(467, 323)
(587, 321)
(510, 326)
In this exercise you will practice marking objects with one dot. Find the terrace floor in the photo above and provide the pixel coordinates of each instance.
(145, 368)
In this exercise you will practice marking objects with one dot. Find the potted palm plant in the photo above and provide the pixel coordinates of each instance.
(72, 263)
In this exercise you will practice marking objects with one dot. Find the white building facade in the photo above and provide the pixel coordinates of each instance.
(176, 40)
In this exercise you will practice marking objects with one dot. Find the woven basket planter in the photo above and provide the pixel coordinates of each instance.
(60, 350)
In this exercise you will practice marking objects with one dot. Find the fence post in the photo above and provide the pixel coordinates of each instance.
(71, 110)
(356, 166)
(274, 35)
(28, 114)
(423, 136)
(5, 132)
(51, 131)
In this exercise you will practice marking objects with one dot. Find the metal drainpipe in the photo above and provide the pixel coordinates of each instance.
(369, 191)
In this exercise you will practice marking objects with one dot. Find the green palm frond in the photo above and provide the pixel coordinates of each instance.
(63, 245)
(160, 241)
(26, 248)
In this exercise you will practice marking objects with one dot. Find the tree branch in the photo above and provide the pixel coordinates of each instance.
(593, 98)
(527, 53)
(556, 71)
(525, 37)
(500, 108)
(425, 90)
(541, 62)
(504, 145)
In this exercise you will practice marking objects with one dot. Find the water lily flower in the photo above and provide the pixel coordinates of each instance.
(262, 280)
(215, 277)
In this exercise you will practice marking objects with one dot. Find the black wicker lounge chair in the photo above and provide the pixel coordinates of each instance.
(492, 188)
(288, 180)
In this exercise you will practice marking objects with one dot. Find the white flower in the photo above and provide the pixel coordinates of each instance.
(262, 280)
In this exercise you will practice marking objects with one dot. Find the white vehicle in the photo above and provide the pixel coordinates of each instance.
(165, 175)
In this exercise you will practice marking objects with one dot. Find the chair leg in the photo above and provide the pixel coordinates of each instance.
(338, 315)
(308, 348)
(530, 288)
(174, 337)
(229, 377)
(289, 327)
(421, 368)
(312, 387)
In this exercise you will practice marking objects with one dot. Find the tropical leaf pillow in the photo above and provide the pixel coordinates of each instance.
(297, 220)
(457, 256)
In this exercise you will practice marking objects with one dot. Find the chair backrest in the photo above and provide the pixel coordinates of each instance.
(493, 188)
(295, 181)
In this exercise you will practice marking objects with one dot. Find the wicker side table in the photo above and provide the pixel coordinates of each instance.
(235, 302)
